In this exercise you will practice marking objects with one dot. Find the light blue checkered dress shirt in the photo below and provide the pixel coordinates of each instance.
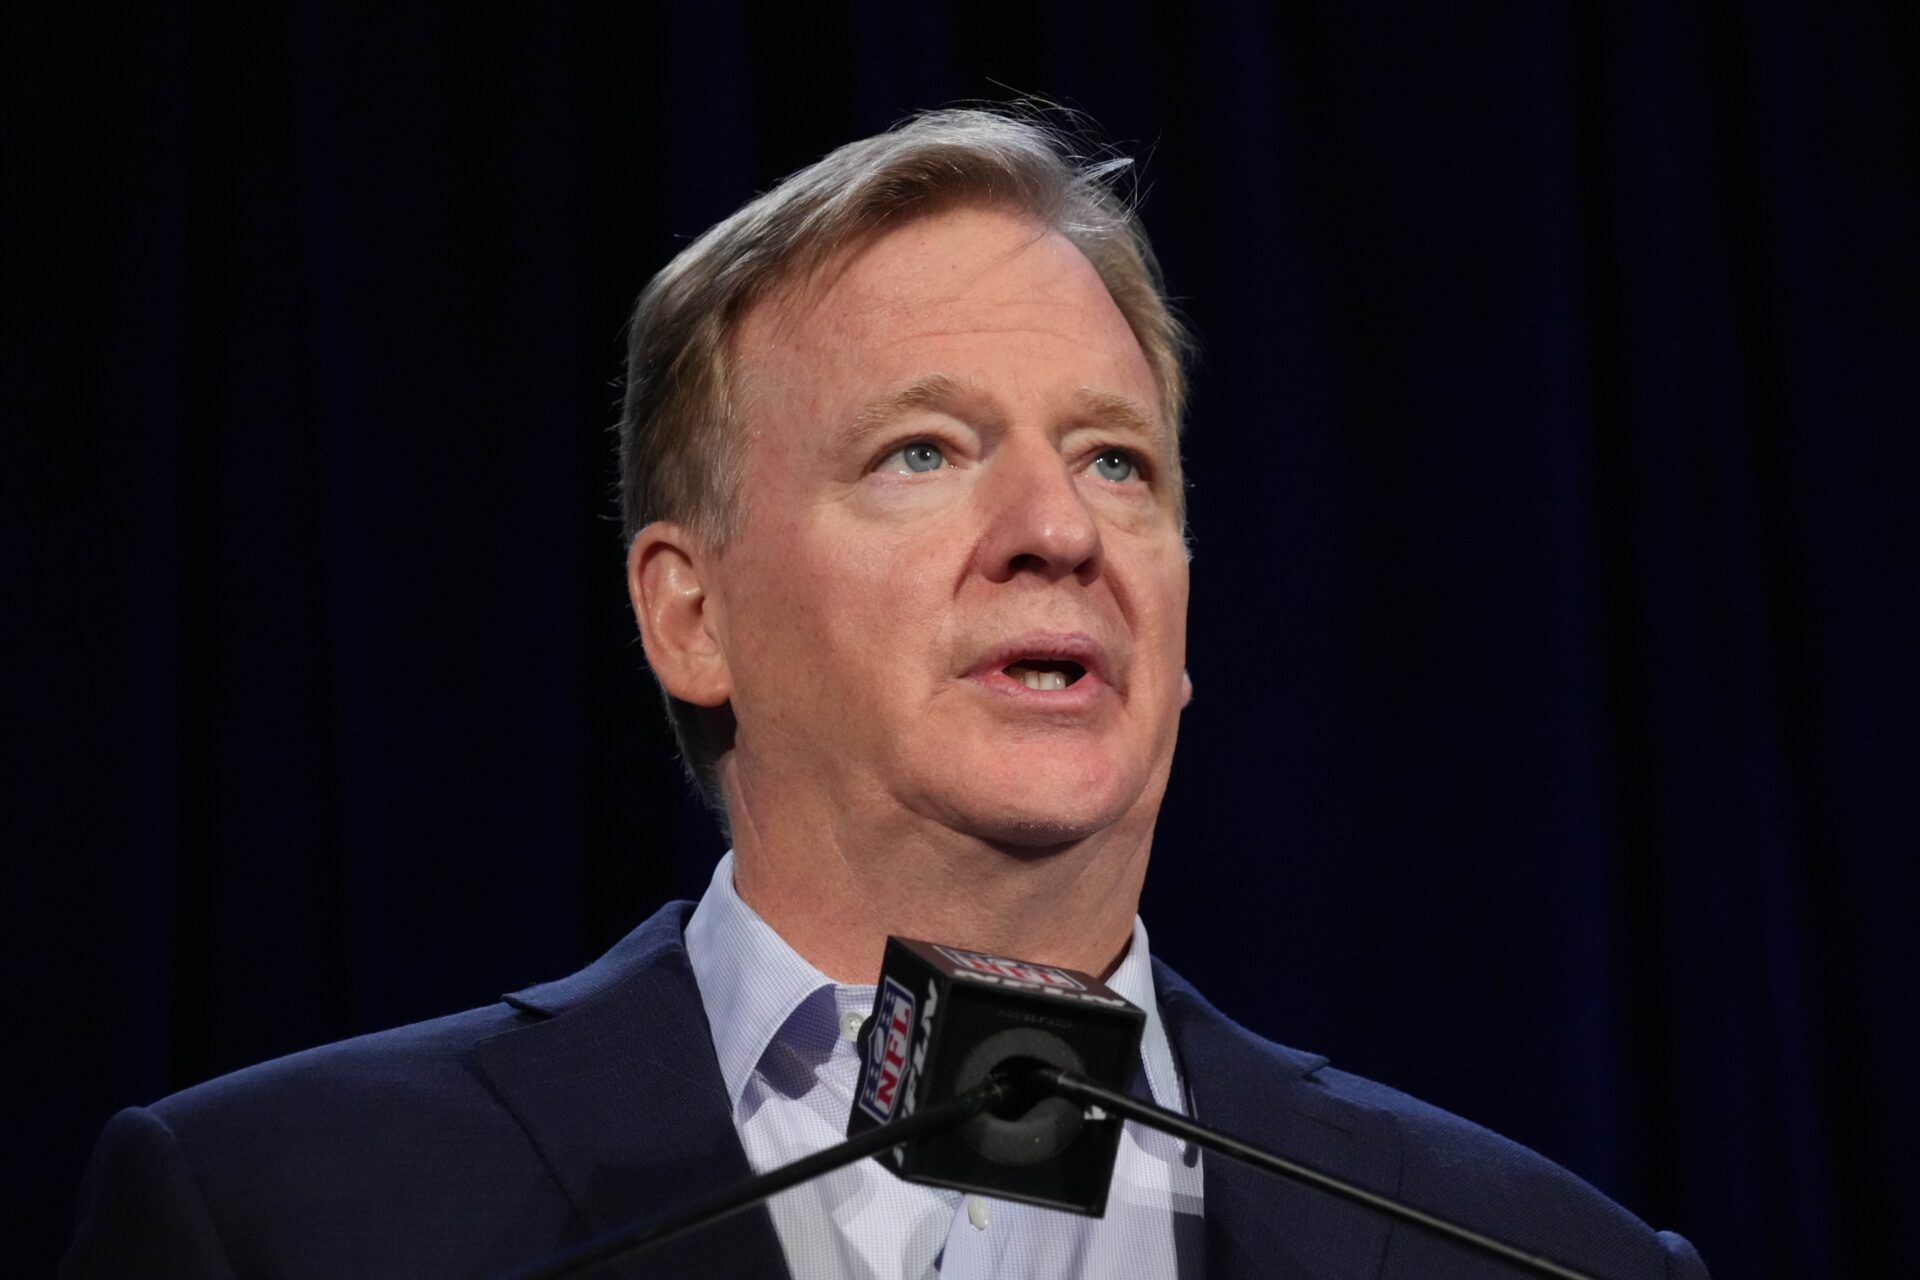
(784, 1034)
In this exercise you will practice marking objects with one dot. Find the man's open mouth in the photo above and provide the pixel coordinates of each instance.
(1045, 673)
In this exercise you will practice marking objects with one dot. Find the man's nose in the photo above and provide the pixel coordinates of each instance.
(1040, 522)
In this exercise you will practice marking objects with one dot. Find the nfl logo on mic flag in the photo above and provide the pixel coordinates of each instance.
(943, 1018)
(1012, 970)
(887, 1044)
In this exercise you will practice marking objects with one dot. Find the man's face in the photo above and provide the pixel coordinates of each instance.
(959, 589)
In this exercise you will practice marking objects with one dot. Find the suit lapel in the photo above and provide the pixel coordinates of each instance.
(1259, 1225)
(618, 1088)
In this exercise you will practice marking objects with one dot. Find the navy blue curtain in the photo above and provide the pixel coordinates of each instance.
(1553, 460)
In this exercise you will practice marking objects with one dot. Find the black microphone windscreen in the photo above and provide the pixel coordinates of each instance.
(944, 1019)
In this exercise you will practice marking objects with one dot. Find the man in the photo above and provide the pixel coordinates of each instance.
(906, 548)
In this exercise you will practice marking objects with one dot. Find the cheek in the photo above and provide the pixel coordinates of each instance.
(1174, 623)
(836, 620)
(885, 612)
(1164, 629)
(1160, 602)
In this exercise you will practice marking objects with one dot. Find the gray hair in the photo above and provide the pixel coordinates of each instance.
(681, 443)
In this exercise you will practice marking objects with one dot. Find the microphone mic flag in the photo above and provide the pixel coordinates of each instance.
(944, 1020)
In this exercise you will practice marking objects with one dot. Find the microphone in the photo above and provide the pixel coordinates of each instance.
(945, 1021)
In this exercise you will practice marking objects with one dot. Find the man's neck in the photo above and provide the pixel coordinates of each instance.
(835, 895)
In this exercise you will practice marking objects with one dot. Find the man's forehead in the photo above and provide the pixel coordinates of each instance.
(918, 251)
(897, 307)
(915, 267)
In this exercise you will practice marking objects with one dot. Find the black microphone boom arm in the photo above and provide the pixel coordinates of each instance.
(1087, 1094)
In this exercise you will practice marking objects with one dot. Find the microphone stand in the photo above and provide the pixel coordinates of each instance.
(1075, 1089)
(956, 1110)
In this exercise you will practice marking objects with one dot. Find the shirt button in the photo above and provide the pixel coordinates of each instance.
(850, 1025)
(977, 1213)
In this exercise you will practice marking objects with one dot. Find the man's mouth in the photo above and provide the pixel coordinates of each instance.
(1045, 673)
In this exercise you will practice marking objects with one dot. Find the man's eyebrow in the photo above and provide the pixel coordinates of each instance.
(929, 391)
(944, 391)
(1124, 412)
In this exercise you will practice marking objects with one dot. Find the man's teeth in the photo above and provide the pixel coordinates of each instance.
(1046, 676)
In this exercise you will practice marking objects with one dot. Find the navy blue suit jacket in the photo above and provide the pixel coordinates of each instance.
(482, 1141)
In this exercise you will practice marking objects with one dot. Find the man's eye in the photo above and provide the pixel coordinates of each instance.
(1115, 465)
(920, 456)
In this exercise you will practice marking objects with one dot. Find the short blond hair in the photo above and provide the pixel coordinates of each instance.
(680, 440)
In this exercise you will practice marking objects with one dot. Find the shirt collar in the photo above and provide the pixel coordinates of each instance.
(751, 982)
(1133, 979)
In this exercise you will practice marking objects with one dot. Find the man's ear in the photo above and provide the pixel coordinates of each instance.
(678, 621)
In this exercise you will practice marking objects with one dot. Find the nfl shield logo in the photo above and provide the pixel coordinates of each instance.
(887, 1045)
(1042, 975)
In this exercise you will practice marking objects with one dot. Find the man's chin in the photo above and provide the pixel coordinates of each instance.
(1035, 824)
(1025, 796)
(1038, 836)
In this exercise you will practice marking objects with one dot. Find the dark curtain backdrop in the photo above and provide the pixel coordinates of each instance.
(1554, 612)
